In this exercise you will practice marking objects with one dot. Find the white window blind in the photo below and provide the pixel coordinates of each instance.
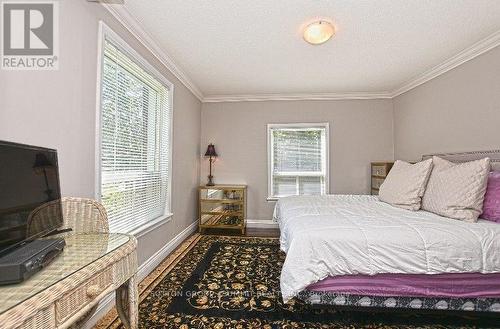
(135, 141)
(298, 159)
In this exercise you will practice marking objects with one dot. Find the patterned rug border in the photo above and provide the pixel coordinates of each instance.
(162, 270)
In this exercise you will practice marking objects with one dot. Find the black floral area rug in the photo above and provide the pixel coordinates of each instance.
(233, 282)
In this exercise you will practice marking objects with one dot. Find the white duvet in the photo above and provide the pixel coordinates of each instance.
(357, 234)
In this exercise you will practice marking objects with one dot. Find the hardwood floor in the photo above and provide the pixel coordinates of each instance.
(256, 232)
(265, 232)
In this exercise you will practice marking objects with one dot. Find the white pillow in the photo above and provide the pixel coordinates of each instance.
(405, 184)
(457, 190)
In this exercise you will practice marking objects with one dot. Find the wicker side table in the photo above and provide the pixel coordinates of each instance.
(91, 266)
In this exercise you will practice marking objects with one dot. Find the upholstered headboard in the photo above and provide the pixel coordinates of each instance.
(470, 156)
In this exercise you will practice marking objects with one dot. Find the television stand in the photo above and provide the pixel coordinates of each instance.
(23, 262)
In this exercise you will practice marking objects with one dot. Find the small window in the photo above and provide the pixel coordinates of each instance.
(135, 145)
(298, 159)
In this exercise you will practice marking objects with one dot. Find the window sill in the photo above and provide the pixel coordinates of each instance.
(275, 198)
(155, 223)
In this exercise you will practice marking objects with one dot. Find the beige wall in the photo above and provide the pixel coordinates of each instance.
(360, 132)
(57, 109)
(455, 112)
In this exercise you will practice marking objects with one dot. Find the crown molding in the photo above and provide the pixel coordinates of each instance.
(133, 26)
(479, 48)
(295, 97)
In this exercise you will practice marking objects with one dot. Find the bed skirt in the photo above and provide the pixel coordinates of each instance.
(401, 302)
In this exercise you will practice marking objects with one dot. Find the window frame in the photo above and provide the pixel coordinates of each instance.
(106, 33)
(270, 158)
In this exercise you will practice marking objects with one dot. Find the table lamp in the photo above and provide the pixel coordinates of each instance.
(211, 154)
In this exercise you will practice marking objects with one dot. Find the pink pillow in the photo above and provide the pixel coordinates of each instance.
(491, 205)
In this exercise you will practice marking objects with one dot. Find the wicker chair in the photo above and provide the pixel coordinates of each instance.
(81, 215)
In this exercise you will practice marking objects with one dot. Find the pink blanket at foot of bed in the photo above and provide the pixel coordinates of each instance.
(459, 285)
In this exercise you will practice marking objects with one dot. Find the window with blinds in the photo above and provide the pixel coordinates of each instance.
(298, 159)
(135, 141)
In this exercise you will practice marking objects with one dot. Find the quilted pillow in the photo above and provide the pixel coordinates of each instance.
(491, 205)
(405, 184)
(457, 190)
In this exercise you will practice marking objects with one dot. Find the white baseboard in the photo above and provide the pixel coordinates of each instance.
(144, 269)
(261, 223)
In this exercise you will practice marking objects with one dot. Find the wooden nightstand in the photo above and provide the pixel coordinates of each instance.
(379, 173)
(222, 207)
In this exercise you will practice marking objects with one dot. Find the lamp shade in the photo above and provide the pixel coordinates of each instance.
(211, 151)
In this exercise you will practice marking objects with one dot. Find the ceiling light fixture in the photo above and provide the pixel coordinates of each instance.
(318, 32)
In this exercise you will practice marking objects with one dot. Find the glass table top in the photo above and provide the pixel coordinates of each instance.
(80, 251)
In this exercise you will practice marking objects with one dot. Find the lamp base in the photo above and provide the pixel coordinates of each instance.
(210, 181)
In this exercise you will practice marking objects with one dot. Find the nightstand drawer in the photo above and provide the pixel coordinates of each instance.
(75, 300)
(376, 182)
(212, 194)
(380, 170)
(221, 220)
(223, 207)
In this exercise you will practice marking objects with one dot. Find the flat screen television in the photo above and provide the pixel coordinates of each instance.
(29, 178)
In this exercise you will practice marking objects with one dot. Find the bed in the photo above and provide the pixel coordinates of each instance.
(354, 250)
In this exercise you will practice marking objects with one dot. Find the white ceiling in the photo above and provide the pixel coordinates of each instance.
(256, 47)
